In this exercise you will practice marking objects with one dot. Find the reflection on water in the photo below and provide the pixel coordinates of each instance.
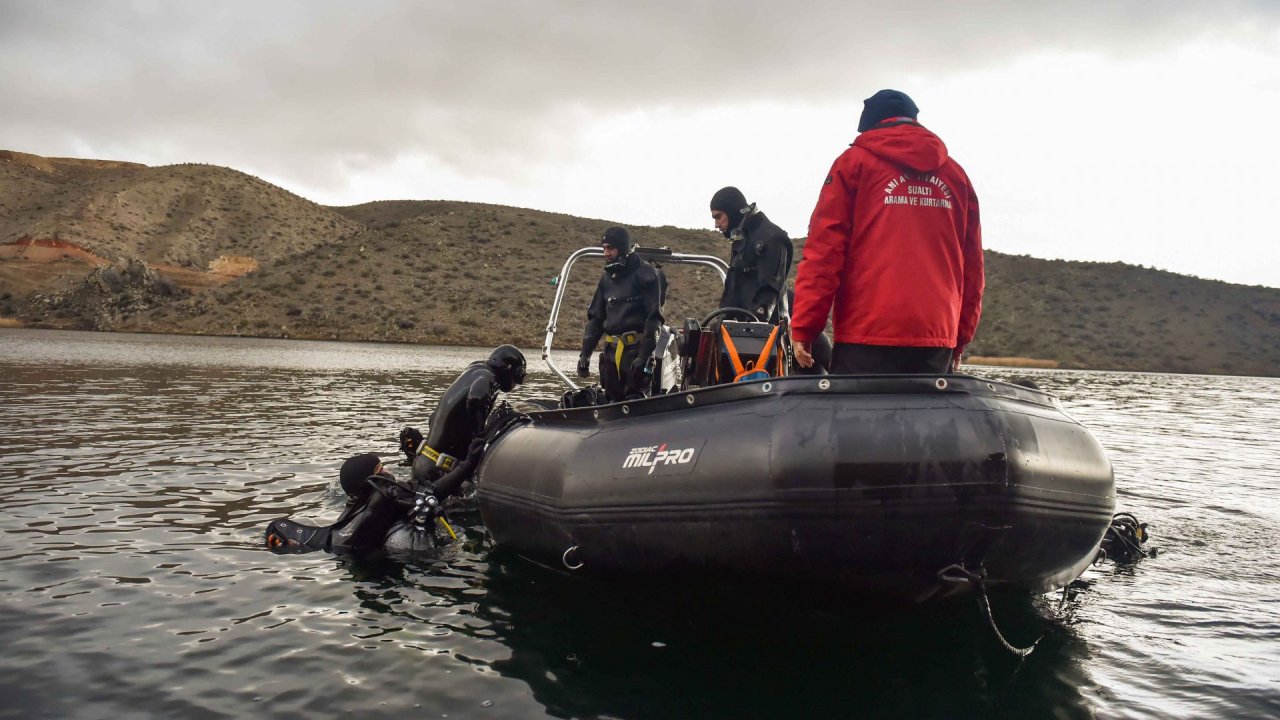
(137, 473)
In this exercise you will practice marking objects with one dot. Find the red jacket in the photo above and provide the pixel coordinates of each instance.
(896, 244)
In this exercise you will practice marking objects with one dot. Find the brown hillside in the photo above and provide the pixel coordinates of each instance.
(430, 272)
(184, 215)
(62, 165)
(1117, 316)
(226, 253)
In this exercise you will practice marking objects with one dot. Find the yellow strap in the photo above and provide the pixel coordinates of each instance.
(620, 343)
(443, 460)
(627, 338)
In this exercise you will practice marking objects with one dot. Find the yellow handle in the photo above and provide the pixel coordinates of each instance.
(445, 523)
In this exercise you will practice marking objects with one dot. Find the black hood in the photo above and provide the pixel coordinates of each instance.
(507, 364)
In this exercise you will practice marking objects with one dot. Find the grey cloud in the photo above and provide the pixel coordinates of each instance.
(291, 87)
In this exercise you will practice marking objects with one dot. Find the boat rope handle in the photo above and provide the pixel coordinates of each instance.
(565, 558)
(958, 573)
(986, 606)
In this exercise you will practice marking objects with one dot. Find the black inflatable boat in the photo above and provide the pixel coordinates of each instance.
(908, 487)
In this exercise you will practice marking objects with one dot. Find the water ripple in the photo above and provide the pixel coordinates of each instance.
(137, 474)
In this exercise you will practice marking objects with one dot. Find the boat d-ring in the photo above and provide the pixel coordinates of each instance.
(567, 562)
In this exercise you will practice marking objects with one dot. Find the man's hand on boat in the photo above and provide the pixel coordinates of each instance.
(584, 366)
(803, 357)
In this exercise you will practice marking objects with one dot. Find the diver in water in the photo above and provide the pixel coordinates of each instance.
(376, 504)
(447, 456)
(626, 311)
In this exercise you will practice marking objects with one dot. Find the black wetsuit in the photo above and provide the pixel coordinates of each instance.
(759, 263)
(626, 309)
(378, 504)
(366, 521)
(458, 420)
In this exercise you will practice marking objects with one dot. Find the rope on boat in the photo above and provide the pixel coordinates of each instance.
(975, 579)
(986, 606)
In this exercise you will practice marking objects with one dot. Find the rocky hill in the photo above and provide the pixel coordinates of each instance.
(207, 250)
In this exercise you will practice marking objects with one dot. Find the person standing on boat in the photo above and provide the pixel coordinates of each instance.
(895, 244)
(759, 257)
(443, 460)
(626, 311)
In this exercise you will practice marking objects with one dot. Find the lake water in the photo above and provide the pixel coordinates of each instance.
(138, 472)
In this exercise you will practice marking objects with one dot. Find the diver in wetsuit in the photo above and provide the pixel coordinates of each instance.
(759, 256)
(376, 502)
(445, 458)
(626, 311)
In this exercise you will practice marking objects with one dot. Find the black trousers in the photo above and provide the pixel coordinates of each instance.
(853, 359)
(624, 385)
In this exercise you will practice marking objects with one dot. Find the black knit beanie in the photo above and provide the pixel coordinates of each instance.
(353, 474)
(730, 201)
(886, 104)
(618, 238)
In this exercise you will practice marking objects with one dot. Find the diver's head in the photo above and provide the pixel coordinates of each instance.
(507, 364)
(728, 206)
(616, 244)
(354, 472)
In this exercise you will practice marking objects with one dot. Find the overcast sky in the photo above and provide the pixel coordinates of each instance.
(1141, 131)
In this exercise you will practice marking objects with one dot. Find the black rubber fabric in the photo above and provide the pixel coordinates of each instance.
(287, 536)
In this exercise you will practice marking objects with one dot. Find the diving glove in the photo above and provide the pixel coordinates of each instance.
(584, 366)
(642, 370)
(410, 439)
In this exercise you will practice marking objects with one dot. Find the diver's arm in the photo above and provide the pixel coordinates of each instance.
(479, 401)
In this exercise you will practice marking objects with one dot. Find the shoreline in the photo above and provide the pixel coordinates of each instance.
(973, 361)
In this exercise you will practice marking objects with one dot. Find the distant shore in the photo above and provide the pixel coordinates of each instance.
(205, 250)
(1023, 362)
(1019, 362)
